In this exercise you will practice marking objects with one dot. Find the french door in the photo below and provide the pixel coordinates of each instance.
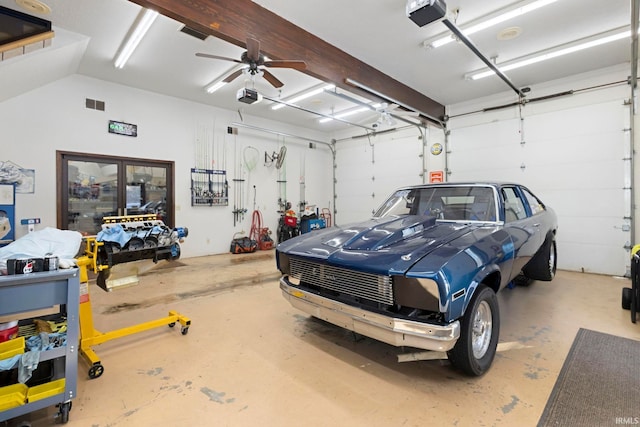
(91, 187)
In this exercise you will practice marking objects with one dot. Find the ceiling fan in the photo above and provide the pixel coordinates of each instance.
(256, 61)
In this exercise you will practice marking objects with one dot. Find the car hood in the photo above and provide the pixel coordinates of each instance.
(383, 246)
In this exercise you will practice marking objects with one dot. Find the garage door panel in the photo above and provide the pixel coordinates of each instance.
(503, 130)
(594, 258)
(574, 161)
(588, 230)
(407, 161)
(600, 175)
(485, 174)
(483, 159)
(593, 147)
(586, 203)
(351, 210)
(576, 122)
(368, 171)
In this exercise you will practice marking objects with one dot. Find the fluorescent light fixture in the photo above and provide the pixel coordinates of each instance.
(214, 86)
(143, 23)
(219, 82)
(304, 95)
(490, 21)
(349, 112)
(598, 40)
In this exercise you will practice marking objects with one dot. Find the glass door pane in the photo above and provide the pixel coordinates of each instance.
(146, 190)
(92, 194)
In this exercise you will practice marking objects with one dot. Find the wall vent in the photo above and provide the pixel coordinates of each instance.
(94, 104)
(193, 33)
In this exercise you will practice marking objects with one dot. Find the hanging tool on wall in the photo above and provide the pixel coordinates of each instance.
(303, 186)
(238, 206)
(250, 156)
(238, 191)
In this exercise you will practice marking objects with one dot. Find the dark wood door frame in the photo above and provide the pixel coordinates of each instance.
(62, 177)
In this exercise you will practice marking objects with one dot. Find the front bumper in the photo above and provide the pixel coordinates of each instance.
(395, 331)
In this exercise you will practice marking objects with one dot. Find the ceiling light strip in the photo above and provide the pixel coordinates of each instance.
(304, 95)
(490, 21)
(145, 19)
(556, 52)
(219, 82)
(343, 114)
(372, 91)
(314, 112)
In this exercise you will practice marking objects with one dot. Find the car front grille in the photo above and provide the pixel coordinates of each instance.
(374, 287)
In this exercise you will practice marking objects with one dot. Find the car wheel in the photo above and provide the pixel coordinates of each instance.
(626, 298)
(476, 347)
(543, 265)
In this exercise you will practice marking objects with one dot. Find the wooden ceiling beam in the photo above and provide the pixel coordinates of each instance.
(236, 20)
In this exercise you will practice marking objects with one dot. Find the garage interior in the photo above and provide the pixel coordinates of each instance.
(388, 108)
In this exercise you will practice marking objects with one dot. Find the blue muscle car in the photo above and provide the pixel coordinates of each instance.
(425, 270)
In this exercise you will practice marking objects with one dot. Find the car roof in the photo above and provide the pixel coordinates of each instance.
(494, 184)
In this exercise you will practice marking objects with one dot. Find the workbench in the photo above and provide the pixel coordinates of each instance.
(25, 293)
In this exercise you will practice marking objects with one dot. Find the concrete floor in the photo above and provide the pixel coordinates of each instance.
(251, 359)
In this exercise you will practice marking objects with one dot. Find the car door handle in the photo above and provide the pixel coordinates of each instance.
(536, 225)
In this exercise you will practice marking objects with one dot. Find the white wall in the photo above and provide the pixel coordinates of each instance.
(36, 124)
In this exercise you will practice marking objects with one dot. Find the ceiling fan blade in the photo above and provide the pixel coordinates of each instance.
(233, 75)
(253, 49)
(224, 58)
(272, 79)
(295, 64)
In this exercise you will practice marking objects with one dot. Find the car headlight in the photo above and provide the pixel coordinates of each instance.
(417, 293)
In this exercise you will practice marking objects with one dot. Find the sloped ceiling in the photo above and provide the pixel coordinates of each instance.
(378, 34)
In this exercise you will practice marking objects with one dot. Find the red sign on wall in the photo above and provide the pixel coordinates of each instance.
(436, 176)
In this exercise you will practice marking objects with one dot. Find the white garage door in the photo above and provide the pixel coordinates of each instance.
(574, 160)
(370, 169)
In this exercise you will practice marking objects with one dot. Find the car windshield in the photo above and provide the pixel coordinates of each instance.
(454, 203)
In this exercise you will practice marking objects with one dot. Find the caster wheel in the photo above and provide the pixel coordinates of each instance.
(63, 412)
(96, 371)
(185, 330)
(626, 298)
(172, 324)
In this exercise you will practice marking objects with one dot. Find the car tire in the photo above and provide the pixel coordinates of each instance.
(543, 264)
(480, 328)
(626, 298)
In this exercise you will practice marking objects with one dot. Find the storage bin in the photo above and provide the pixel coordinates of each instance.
(11, 348)
(12, 396)
(45, 390)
